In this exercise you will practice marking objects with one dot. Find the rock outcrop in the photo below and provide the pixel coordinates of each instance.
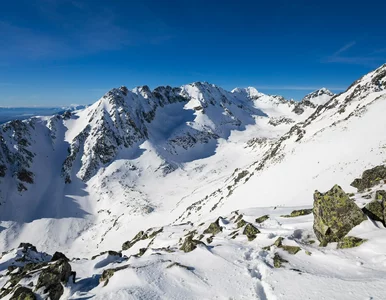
(335, 214)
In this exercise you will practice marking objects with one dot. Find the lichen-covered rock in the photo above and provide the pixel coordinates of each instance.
(290, 249)
(374, 210)
(262, 219)
(297, 213)
(335, 214)
(278, 261)
(250, 231)
(350, 242)
(23, 293)
(190, 244)
(214, 228)
(241, 223)
(370, 178)
(52, 278)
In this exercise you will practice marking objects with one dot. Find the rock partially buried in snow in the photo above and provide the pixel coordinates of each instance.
(375, 211)
(190, 244)
(140, 236)
(335, 214)
(298, 213)
(279, 244)
(278, 261)
(262, 219)
(370, 178)
(350, 242)
(214, 228)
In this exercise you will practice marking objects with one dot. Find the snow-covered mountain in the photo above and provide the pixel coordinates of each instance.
(174, 160)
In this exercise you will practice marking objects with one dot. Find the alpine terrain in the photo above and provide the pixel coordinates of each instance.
(195, 192)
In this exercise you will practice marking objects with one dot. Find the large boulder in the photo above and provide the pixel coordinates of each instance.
(370, 178)
(52, 278)
(335, 214)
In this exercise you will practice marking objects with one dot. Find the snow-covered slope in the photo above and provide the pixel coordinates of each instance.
(337, 142)
(87, 181)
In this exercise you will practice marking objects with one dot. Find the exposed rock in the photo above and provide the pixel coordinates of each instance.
(281, 120)
(241, 223)
(297, 213)
(154, 233)
(262, 219)
(52, 277)
(27, 246)
(374, 210)
(23, 293)
(59, 255)
(177, 264)
(370, 178)
(250, 231)
(25, 176)
(190, 244)
(3, 170)
(335, 214)
(110, 252)
(350, 242)
(140, 236)
(278, 261)
(279, 244)
(214, 228)
(107, 274)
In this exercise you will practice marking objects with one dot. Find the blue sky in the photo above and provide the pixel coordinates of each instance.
(58, 52)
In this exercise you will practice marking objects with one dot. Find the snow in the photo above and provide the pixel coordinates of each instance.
(197, 159)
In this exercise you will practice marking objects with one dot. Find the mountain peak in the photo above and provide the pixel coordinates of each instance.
(318, 97)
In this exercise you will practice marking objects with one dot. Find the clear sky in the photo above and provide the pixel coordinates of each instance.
(58, 52)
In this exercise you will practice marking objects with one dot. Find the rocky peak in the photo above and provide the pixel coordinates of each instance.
(318, 93)
(318, 97)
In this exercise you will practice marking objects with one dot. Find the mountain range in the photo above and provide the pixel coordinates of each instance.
(100, 181)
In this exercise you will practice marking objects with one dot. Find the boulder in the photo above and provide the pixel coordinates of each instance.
(335, 214)
(52, 277)
(374, 210)
(262, 219)
(214, 228)
(250, 231)
(370, 178)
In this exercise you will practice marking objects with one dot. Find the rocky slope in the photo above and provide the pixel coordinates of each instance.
(259, 252)
(190, 162)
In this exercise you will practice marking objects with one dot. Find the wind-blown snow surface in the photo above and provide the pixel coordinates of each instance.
(140, 159)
